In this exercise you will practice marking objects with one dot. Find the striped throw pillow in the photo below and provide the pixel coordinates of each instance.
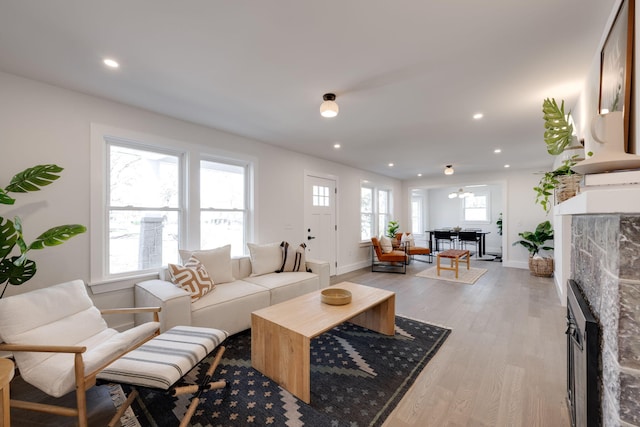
(192, 277)
(293, 259)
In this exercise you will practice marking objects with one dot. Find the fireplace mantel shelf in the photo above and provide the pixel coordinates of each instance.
(606, 199)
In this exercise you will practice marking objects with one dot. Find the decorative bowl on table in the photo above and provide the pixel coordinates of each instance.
(335, 296)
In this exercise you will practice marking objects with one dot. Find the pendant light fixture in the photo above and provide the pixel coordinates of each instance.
(448, 170)
(460, 193)
(329, 108)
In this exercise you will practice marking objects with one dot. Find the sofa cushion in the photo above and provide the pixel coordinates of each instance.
(192, 277)
(216, 261)
(265, 258)
(284, 286)
(230, 306)
(293, 258)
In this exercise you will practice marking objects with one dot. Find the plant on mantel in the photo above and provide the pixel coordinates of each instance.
(17, 269)
(558, 132)
(558, 135)
(550, 182)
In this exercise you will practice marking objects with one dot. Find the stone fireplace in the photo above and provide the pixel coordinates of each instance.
(605, 263)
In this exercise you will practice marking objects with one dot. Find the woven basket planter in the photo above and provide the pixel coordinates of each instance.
(541, 267)
(569, 186)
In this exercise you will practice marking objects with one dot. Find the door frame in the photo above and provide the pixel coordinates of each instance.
(334, 178)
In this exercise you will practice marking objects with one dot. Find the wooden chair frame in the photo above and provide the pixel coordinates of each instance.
(83, 382)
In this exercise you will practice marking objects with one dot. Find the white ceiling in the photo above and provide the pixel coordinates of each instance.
(408, 74)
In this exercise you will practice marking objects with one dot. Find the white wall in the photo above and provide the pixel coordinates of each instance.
(40, 124)
(520, 213)
(445, 212)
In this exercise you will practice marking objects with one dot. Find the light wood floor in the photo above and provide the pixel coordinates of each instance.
(503, 364)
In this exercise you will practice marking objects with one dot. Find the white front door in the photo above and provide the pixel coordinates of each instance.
(320, 219)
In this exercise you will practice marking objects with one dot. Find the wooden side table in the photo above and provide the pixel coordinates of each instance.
(455, 255)
(6, 375)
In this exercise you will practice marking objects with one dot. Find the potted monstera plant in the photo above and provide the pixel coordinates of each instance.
(15, 268)
(534, 242)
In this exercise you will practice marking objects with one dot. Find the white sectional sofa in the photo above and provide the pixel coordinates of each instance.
(230, 304)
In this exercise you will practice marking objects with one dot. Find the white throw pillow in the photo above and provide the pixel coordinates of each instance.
(385, 244)
(216, 261)
(408, 240)
(266, 258)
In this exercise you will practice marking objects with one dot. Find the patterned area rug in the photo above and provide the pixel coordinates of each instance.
(357, 379)
(464, 276)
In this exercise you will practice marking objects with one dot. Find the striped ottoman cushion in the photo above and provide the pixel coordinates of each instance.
(162, 361)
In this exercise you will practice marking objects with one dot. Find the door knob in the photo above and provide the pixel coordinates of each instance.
(310, 237)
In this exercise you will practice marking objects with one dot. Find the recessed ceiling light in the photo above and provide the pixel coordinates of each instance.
(390, 165)
(419, 174)
(478, 116)
(111, 63)
(497, 150)
(336, 145)
(507, 166)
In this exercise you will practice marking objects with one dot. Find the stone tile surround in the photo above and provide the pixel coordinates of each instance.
(605, 253)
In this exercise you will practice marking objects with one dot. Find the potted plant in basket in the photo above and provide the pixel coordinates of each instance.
(534, 242)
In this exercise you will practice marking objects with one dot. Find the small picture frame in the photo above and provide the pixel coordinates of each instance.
(616, 66)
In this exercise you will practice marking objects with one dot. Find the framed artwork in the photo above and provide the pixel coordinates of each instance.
(616, 64)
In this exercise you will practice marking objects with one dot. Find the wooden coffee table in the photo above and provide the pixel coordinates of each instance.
(281, 334)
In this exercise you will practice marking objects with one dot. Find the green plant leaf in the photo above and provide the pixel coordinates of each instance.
(57, 235)
(8, 237)
(33, 178)
(5, 199)
(557, 130)
(16, 274)
(534, 241)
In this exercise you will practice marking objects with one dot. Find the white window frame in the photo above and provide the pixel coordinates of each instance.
(378, 226)
(487, 219)
(108, 208)
(417, 229)
(246, 211)
(190, 202)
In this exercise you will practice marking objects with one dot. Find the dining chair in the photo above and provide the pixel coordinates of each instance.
(444, 236)
(469, 237)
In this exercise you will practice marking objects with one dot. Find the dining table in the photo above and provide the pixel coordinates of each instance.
(482, 245)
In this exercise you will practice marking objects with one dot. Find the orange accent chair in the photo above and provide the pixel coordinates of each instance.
(391, 262)
(412, 250)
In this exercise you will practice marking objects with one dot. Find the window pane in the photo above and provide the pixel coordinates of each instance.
(222, 228)
(320, 195)
(221, 185)
(366, 226)
(366, 200)
(142, 240)
(475, 214)
(416, 216)
(383, 202)
(475, 208)
(382, 224)
(143, 178)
